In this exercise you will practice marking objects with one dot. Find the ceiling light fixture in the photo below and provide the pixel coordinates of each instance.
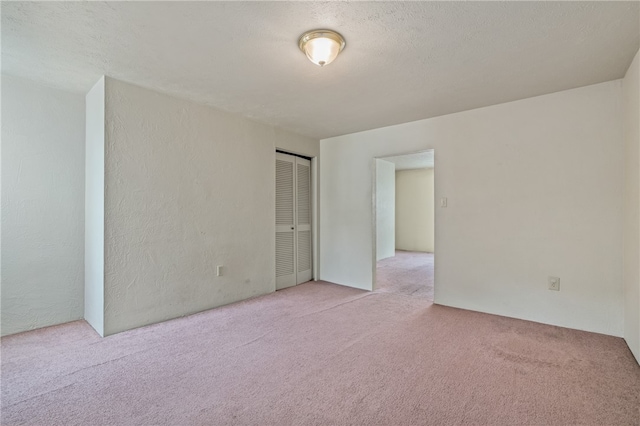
(321, 46)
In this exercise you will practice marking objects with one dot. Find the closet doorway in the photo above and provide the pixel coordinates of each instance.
(294, 244)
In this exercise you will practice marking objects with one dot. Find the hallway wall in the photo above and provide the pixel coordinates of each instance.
(415, 214)
(385, 209)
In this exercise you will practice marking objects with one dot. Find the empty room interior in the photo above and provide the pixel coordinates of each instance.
(320, 213)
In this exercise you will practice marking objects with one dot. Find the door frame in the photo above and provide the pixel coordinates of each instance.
(315, 206)
(374, 221)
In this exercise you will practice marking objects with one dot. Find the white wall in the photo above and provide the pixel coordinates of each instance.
(385, 209)
(534, 190)
(42, 205)
(187, 188)
(94, 207)
(415, 210)
(631, 273)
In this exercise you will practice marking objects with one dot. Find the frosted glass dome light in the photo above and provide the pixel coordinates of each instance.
(321, 46)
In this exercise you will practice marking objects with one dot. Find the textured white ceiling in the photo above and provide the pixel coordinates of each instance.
(419, 160)
(403, 61)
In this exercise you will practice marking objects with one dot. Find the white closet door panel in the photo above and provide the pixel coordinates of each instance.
(303, 221)
(285, 260)
(304, 257)
(285, 196)
(285, 222)
(303, 195)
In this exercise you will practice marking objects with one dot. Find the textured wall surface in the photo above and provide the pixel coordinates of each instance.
(42, 205)
(187, 188)
(385, 209)
(534, 190)
(94, 207)
(415, 210)
(631, 273)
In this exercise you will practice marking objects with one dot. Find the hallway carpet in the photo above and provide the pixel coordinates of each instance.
(408, 272)
(321, 354)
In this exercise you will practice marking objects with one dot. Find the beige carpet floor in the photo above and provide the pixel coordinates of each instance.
(409, 273)
(322, 354)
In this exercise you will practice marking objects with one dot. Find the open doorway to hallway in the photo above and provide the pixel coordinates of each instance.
(405, 224)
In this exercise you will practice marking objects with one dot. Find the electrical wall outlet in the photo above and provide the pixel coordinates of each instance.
(554, 283)
(443, 202)
(219, 270)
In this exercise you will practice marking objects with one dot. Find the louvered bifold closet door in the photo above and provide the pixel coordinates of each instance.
(286, 267)
(303, 220)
